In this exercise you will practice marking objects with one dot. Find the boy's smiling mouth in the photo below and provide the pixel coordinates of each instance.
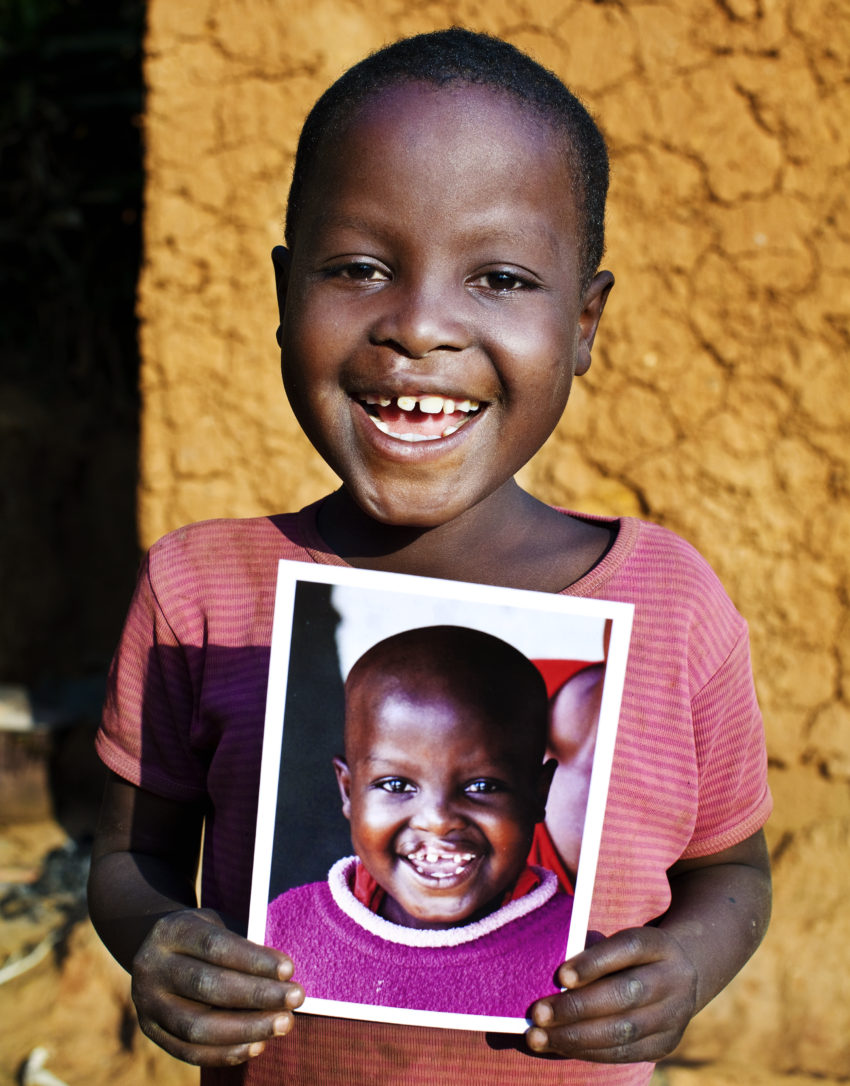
(441, 864)
(418, 418)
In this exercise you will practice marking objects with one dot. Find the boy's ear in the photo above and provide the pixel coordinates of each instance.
(343, 779)
(282, 263)
(593, 304)
(544, 783)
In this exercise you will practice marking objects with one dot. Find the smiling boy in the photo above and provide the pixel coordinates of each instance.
(444, 232)
(443, 782)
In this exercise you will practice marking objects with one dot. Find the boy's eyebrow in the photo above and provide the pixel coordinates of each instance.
(340, 221)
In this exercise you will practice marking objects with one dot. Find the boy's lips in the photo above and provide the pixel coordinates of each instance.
(439, 863)
(418, 418)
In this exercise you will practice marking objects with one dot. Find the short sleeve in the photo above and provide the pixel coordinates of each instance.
(734, 798)
(150, 705)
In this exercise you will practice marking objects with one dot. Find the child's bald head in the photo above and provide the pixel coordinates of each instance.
(472, 670)
(443, 779)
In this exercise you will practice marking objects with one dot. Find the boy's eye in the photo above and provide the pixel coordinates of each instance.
(363, 273)
(503, 282)
(395, 785)
(482, 787)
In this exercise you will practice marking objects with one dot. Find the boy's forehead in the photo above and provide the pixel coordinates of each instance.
(443, 146)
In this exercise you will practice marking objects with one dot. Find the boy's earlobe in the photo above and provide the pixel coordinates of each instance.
(593, 304)
(343, 779)
(282, 263)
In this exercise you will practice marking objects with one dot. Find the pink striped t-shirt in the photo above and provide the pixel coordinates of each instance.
(184, 719)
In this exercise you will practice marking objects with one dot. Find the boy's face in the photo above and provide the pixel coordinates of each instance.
(442, 803)
(436, 256)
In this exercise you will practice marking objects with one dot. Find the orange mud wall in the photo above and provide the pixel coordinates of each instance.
(717, 403)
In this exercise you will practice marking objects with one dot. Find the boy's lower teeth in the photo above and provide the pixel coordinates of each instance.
(384, 428)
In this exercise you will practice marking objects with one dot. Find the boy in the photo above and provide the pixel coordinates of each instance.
(443, 782)
(445, 227)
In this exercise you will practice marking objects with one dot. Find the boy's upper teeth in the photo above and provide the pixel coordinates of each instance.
(430, 405)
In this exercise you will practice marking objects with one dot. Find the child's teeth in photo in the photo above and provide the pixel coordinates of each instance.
(449, 430)
(431, 405)
(381, 425)
(406, 403)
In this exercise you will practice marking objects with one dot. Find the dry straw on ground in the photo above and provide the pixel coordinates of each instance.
(717, 403)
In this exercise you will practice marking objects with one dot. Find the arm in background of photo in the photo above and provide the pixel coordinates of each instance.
(575, 697)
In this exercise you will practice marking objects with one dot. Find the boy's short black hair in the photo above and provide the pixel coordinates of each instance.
(462, 56)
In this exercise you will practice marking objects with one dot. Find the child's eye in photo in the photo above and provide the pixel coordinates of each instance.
(396, 785)
(484, 787)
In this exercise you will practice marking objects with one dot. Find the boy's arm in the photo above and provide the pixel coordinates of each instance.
(632, 995)
(203, 993)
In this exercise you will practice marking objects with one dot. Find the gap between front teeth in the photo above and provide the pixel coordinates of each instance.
(429, 405)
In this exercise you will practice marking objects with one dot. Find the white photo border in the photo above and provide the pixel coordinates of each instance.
(621, 615)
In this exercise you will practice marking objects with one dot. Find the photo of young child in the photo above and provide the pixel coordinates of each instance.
(443, 782)
(448, 895)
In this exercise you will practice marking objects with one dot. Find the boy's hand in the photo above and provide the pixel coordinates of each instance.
(208, 996)
(631, 996)
(629, 1000)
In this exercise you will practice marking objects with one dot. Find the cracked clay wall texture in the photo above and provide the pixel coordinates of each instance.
(717, 403)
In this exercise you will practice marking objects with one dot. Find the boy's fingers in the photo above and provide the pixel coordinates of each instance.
(217, 987)
(617, 1031)
(634, 946)
(612, 995)
(652, 1047)
(183, 1024)
(201, 935)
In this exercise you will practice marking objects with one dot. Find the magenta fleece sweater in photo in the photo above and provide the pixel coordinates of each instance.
(496, 966)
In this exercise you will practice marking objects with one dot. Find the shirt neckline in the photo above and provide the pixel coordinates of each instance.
(628, 530)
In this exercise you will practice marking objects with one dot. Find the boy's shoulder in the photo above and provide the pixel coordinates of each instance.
(649, 559)
(226, 548)
(223, 570)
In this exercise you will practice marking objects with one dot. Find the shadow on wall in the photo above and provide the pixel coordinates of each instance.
(71, 97)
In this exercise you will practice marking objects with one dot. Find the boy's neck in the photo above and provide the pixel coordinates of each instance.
(509, 539)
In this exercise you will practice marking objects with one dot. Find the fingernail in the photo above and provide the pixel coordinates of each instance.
(542, 1014)
(294, 997)
(256, 1048)
(537, 1038)
(281, 1025)
(568, 977)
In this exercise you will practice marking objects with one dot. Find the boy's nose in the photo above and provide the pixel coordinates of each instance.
(422, 319)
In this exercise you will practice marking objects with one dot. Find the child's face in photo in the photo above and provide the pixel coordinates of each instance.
(442, 803)
(436, 256)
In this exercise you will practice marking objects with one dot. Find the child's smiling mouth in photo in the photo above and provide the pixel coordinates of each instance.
(440, 865)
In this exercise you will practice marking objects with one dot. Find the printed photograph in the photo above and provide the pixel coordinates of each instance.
(419, 735)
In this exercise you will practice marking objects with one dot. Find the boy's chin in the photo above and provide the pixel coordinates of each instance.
(416, 504)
